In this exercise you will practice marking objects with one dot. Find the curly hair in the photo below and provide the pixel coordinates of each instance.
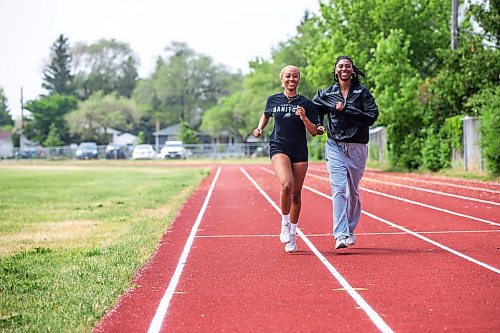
(356, 72)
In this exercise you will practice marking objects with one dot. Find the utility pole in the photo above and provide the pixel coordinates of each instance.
(21, 143)
(454, 24)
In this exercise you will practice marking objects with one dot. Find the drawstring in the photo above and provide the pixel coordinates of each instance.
(344, 146)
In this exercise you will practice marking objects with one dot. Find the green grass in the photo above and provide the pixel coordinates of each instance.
(73, 236)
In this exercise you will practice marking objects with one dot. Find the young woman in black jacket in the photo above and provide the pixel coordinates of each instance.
(350, 110)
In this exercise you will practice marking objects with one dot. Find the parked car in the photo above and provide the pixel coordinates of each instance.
(143, 152)
(115, 151)
(30, 153)
(87, 150)
(173, 149)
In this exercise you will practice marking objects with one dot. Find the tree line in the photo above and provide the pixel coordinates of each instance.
(422, 87)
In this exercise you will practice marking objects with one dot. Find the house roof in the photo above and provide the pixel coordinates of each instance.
(169, 130)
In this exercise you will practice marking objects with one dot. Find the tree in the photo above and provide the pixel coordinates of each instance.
(487, 104)
(183, 86)
(488, 19)
(5, 118)
(396, 90)
(107, 66)
(53, 139)
(57, 78)
(239, 113)
(47, 111)
(188, 135)
(94, 116)
(354, 27)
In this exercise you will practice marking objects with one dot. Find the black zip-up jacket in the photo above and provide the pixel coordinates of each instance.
(352, 123)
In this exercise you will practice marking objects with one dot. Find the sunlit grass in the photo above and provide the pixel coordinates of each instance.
(72, 237)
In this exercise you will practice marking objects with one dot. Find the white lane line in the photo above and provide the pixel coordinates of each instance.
(365, 178)
(446, 184)
(161, 311)
(374, 316)
(413, 202)
(431, 191)
(473, 188)
(357, 234)
(428, 240)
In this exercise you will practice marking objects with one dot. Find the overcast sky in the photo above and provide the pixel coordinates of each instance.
(232, 32)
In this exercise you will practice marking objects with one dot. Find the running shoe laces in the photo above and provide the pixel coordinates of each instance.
(285, 233)
(292, 245)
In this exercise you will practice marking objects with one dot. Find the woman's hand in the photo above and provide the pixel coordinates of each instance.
(301, 112)
(257, 132)
(320, 130)
(339, 106)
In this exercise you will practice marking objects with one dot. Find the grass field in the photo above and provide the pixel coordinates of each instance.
(73, 234)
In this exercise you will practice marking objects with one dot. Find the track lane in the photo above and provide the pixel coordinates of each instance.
(235, 283)
(474, 191)
(416, 286)
(422, 219)
(486, 210)
(135, 309)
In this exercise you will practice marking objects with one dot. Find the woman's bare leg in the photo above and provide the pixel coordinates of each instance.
(299, 174)
(283, 172)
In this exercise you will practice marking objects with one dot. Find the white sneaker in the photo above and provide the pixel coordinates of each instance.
(285, 233)
(341, 242)
(351, 240)
(292, 245)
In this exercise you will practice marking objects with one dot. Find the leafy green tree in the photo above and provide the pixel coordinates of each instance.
(94, 116)
(487, 104)
(141, 138)
(487, 14)
(354, 27)
(183, 86)
(53, 139)
(466, 75)
(187, 134)
(229, 116)
(107, 65)
(46, 111)
(239, 113)
(57, 77)
(396, 88)
(5, 118)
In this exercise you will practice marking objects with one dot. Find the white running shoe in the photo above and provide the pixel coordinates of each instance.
(285, 233)
(292, 245)
(351, 240)
(341, 242)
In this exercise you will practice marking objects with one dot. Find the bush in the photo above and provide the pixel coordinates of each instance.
(490, 127)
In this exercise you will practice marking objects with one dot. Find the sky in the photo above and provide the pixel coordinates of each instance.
(231, 32)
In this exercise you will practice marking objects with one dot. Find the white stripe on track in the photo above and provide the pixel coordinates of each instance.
(357, 234)
(431, 191)
(374, 316)
(161, 311)
(412, 202)
(481, 189)
(428, 240)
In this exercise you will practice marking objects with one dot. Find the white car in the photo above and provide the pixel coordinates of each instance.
(173, 149)
(143, 152)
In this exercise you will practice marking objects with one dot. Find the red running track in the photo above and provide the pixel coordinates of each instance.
(424, 261)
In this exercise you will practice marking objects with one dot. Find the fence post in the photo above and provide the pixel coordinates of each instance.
(472, 150)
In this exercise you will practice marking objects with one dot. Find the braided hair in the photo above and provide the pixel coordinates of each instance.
(356, 72)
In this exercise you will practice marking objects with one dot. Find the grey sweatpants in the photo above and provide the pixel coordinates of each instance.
(346, 164)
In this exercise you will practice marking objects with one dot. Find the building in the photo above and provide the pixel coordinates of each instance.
(172, 132)
(6, 145)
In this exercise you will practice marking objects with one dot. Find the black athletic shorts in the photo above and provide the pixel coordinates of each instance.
(294, 155)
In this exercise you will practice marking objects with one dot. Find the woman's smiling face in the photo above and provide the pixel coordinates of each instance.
(343, 69)
(290, 78)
